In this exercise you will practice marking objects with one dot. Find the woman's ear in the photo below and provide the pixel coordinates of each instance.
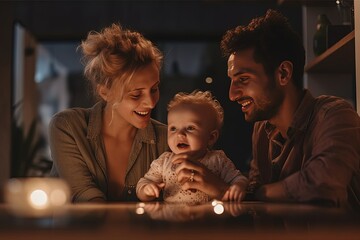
(103, 91)
(214, 135)
(284, 72)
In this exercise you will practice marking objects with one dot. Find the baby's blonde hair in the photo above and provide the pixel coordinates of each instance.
(198, 97)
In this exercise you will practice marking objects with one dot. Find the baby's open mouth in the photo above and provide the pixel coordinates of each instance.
(182, 145)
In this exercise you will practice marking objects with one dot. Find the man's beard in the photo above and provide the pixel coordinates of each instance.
(268, 106)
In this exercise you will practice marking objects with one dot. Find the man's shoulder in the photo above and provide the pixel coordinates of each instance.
(334, 109)
(327, 102)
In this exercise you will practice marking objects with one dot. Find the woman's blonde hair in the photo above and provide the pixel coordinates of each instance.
(112, 56)
(197, 97)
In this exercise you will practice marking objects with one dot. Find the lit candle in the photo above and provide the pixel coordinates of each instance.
(36, 197)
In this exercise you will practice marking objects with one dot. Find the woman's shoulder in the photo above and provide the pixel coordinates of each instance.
(160, 130)
(158, 124)
(71, 115)
(77, 114)
(159, 127)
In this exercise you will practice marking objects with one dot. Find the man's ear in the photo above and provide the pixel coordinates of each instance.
(284, 72)
(103, 91)
(214, 135)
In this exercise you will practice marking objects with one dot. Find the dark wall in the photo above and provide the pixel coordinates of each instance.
(71, 20)
(161, 21)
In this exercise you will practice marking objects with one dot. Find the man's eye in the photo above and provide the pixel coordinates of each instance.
(243, 79)
(172, 129)
(154, 90)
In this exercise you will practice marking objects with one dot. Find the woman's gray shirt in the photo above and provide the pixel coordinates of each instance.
(79, 156)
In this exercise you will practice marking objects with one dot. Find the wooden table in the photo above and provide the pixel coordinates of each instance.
(247, 220)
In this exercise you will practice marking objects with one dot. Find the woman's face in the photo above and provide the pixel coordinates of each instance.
(139, 97)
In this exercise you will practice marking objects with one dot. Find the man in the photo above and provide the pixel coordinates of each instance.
(305, 149)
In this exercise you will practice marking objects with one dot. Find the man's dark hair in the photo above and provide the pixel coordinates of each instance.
(273, 40)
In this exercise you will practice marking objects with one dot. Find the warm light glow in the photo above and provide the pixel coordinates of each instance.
(58, 197)
(208, 80)
(215, 202)
(141, 204)
(38, 199)
(140, 210)
(219, 209)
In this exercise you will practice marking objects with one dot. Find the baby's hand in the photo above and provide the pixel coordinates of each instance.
(153, 189)
(235, 192)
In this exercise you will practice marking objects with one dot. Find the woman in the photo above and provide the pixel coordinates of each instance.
(103, 151)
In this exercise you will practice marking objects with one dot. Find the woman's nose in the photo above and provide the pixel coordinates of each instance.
(150, 101)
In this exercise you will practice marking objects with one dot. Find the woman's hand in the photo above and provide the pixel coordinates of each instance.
(191, 174)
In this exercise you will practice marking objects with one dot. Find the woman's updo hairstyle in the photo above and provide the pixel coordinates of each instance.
(113, 55)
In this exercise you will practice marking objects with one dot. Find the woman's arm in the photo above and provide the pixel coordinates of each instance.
(68, 147)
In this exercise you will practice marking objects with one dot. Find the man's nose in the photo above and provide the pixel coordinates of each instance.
(235, 91)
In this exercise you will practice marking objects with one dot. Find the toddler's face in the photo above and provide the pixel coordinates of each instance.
(190, 129)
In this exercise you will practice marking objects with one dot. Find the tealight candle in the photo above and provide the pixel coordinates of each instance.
(36, 197)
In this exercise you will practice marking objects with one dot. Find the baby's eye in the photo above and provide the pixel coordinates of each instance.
(172, 129)
(190, 128)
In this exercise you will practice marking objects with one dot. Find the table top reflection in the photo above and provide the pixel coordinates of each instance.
(156, 220)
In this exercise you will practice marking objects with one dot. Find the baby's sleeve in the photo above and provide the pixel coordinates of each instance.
(229, 173)
(154, 174)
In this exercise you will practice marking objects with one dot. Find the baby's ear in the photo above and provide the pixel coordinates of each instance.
(214, 135)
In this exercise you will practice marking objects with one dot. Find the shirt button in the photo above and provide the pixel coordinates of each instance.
(129, 192)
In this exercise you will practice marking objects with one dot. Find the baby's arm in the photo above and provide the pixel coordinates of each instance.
(149, 191)
(237, 181)
(149, 187)
(236, 192)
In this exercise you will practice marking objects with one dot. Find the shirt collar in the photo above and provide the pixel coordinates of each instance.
(301, 117)
(302, 114)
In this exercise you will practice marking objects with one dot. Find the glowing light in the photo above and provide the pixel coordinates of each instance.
(39, 199)
(219, 209)
(215, 202)
(140, 210)
(337, 2)
(208, 80)
(141, 205)
(58, 197)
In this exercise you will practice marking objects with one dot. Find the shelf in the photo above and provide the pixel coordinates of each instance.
(339, 58)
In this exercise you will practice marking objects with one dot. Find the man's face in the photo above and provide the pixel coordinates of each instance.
(259, 95)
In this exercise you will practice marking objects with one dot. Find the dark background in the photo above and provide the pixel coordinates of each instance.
(180, 29)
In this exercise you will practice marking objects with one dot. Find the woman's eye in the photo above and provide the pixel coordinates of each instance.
(137, 96)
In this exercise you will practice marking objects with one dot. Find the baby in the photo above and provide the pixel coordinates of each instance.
(194, 123)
